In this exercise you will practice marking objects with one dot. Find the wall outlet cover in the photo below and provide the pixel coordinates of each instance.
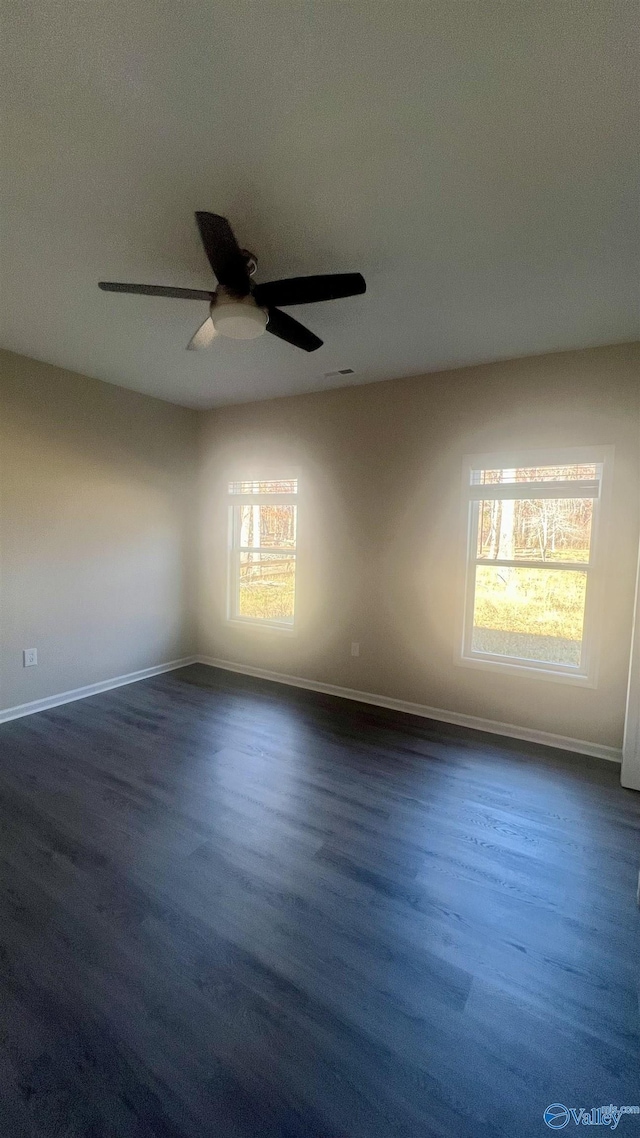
(30, 657)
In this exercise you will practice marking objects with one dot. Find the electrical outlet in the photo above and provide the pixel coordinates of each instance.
(355, 648)
(29, 657)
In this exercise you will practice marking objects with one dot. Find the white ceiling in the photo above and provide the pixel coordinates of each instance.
(476, 159)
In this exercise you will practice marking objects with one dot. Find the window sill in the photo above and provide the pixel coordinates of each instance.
(526, 671)
(261, 627)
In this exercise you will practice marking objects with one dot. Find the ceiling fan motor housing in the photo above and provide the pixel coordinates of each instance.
(240, 319)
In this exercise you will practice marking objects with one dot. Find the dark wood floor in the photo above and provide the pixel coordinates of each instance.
(233, 909)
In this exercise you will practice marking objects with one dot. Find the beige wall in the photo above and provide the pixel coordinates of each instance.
(379, 528)
(96, 530)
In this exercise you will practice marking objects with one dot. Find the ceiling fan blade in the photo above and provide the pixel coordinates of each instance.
(286, 328)
(224, 253)
(307, 290)
(157, 290)
(203, 337)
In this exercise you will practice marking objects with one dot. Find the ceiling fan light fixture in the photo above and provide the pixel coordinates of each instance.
(239, 319)
(238, 308)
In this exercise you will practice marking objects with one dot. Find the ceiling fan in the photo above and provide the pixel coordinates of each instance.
(239, 308)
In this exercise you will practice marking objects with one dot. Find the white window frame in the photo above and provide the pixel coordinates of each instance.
(235, 549)
(586, 673)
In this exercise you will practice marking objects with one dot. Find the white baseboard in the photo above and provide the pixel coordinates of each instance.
(526, 734)
(492, 726)
(91, 689)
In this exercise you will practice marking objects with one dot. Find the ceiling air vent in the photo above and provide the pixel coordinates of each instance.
(341, 371)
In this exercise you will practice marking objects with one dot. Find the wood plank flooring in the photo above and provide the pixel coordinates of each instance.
(229, 909)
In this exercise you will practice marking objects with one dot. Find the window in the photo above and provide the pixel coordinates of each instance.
(532, 576)
(262, 552)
